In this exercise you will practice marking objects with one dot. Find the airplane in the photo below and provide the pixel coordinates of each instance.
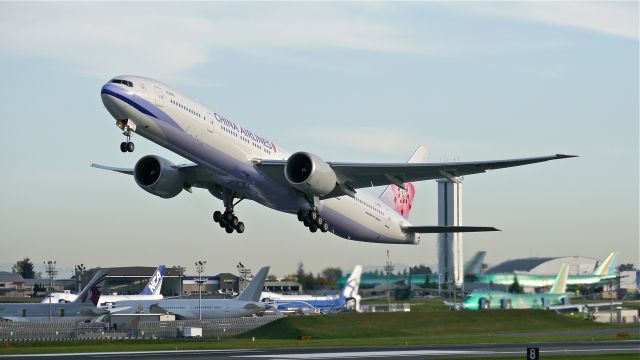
(234, 163)
(83, 308)
(606, 270)
(246, 304)
(150, 292)
(347, 299)
(472, 268)
(490, 299)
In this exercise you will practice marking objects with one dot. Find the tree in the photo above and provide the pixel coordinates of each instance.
(24, 267)
(332, 274)
(272, 277)
(626, 267)
(421, 269)
(515, 288)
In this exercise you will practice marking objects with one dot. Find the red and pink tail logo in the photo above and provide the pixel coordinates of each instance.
(402, 199)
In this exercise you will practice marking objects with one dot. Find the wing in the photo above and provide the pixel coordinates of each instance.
(193, 174)
(360, 175)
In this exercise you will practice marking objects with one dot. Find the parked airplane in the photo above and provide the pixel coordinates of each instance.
(606, 270)
(233, 162)
(348, 298)
(150, 292)
(489, 299)
(472, 267)
(81, 309)
(246, 304)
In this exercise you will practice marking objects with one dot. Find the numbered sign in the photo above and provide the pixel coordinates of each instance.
(533, 353)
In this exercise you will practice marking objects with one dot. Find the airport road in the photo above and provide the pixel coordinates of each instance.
(406, 352)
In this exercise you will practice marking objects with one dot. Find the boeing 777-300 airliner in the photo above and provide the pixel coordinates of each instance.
(235, 163)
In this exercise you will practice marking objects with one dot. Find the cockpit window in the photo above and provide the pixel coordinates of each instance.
(123, 82)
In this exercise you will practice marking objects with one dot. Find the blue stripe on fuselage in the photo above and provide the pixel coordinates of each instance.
(138, 103)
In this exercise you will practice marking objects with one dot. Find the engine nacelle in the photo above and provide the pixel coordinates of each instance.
(157, 176)
(310, 174)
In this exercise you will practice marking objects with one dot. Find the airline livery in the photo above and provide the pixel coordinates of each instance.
(235, 163)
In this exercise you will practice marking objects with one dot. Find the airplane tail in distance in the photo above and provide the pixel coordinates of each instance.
(474, 265)
(401, 199)
(350, 289)
(560, 283)
(607, 266)
(91, 293)
(254, 289)
(155, 282)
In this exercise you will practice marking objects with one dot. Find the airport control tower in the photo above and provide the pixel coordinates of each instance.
(450, 265)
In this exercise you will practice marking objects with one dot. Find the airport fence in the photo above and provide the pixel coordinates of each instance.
(69, 331)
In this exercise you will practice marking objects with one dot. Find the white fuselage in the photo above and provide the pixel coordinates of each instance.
(104, 298)
(228, 151)
(189, 309)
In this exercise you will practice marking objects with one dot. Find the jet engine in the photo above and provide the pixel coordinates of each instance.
(157, 176)
(310, 174)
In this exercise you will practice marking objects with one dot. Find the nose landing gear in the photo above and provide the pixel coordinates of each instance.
(313, 220)
(127, 127)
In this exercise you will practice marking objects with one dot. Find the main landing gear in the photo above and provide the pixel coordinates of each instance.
(311, 218)
(228, 220)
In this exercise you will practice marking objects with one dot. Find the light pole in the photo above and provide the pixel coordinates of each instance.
(79, 270)
(200, 269)
(244, 274)
(50, 268)
(388, 268)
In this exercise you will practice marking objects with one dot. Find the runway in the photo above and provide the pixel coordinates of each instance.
(370, 352)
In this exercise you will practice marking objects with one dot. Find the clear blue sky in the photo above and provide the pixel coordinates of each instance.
(346, 81)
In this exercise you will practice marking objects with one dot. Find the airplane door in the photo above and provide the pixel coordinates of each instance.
(159, 96)
(208, 118)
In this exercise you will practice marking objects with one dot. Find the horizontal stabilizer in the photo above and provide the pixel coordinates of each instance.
(446, 229)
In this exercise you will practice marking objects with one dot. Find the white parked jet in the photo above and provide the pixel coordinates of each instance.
(236, 163)
(246, 304)
(150, 292)
(81, 309)
(348, 298)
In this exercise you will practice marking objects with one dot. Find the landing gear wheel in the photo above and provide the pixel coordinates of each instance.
(228, 229)
(306, 222)
(223, 223)
(130, 147)
(313, 215)
(228, 216)
(234, 221)
(319, 222)
(301, 215)
(313, 228)
(240, 227)
(217, 216)
(123, 146)
(324, 227)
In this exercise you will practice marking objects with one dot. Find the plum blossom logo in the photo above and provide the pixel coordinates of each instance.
(402, 199)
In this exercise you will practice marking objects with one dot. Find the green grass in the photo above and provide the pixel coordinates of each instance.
(375, 325)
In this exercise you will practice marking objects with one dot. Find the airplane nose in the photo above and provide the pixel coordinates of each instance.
(111, 103)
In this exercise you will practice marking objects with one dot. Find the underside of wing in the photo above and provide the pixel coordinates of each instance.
(194, 175)
(446, 229)
(351, 176)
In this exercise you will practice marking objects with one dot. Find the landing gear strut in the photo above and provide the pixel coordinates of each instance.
(228, 220)
(311, 218)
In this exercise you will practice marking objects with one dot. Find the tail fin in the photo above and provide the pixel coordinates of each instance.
(474, 265)
(350, 289)
(605, 267)
(91, 293)
(155, 282)
(401, 199)
(560, 283)
(253, 291)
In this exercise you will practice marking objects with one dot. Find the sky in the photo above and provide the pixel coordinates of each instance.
(356, 81)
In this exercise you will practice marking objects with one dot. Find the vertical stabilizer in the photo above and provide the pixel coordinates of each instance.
(401, 199)
(155, 282)
(560, 283)
(350, 289)
(605, 266)
(474, 265)
(91, 293)
(254, 289)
